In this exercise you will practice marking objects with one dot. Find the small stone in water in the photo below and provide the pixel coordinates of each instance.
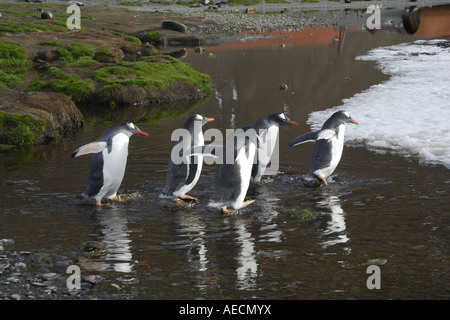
(378, 262)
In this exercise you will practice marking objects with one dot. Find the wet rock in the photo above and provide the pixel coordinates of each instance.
(59, 112)
(49, 276)
(46, 15)
(94, 247)
(148, 50)
(174, 26)
(20, 265)
(93, 279)
(378, 262)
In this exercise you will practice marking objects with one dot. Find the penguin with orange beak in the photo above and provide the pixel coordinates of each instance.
(109, 161)
(182, 177)
(328, 148)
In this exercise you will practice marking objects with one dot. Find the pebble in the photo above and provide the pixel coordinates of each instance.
(378, 262)
(93, 279)
(48, 276)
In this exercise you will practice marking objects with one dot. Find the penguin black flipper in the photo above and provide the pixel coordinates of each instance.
(96, 180)
(89, 147)
(307, 137)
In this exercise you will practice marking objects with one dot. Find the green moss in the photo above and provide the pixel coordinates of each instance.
(58, 81)
(11, 50)
(303, 214)
(20, 129)
(36, 85)
(52, 43)
(101, 53)
(77, 55)
(151, 36)
(142, 73)
(78, 50)
(65, 55)
(127, 37)
(26, 27)
(131, 3)
(69, 84)
(13, 64)
(82, 62)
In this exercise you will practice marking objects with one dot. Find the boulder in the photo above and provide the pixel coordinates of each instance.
(59, 113)
(173, 25)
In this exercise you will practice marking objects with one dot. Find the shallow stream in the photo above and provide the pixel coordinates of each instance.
(294, 242)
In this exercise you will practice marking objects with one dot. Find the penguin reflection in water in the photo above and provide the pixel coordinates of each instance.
(108, 162)
(184, 172)
(328, 148)
(233, 172)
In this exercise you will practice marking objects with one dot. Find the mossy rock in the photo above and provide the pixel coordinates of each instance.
(36, 117)
(105, 55)
(56, 80)
(20, 130)
(144, 82)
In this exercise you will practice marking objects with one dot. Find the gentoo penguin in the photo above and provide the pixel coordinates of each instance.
(232, 176)
(108, 162)
(272, 124)
(328, 148)
(183, 176)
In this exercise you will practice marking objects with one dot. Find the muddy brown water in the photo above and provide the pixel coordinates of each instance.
(295, 242)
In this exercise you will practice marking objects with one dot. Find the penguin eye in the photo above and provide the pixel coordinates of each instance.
(282, 117)
(198, 117)
(131, 126)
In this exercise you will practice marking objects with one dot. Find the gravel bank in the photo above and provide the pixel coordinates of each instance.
(223, 23)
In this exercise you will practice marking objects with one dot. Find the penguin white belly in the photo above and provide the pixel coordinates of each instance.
(265, 154)
(199, 140)
(337, 146)
(245, 163)
(114, 164)
(188, 187)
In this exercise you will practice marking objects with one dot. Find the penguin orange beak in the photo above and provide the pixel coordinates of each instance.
(293, 123)
(142, 133)
(353, 121)
(209, 119)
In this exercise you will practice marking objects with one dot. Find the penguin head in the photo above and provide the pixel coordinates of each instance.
(130, 129)
(338, 118)
(195, 119)
(277, 119)
(282, 119)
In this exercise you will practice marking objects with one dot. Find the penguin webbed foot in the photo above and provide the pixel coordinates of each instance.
(315, 181)
(186, 199)
(225, 209)
(321, 179)
(101, 204)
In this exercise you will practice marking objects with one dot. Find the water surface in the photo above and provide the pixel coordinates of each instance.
(295, 242)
